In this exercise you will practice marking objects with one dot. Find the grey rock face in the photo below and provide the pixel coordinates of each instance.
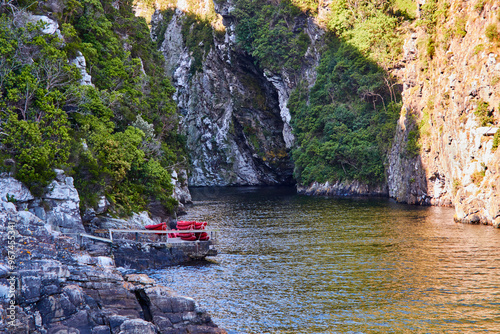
(63, 205)
(181, 192)
(60, 288)
(81, 64)
(455, 165)
(231, 114)
(236, 117)
(51, 27)
(342, 189)
(142, 256)
(14, 189)
(59, 206)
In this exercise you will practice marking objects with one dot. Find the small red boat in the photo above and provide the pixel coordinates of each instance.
(160, 226)
(183, 226)
(192, 225)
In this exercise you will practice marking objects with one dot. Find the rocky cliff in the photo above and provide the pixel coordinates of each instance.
(49, 284)
(442, 153)
(235, 113)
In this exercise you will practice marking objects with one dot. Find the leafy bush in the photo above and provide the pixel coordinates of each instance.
(431, 48)
(412, 145)
(50, 121)
(198, 36)
(345, 123)
(479, 6)
(460, 24)
(271, 32)
(33, 87)
(372, 27)
(496, 141)
(483, 113)
(492, 32)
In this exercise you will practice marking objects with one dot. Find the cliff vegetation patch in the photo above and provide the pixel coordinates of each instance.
(49, 119)
(345, 123)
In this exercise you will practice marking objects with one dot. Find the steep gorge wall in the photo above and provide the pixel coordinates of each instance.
(235, 113)
(442, 154)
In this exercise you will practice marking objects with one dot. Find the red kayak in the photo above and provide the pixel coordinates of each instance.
(192, 225)
(160, 226)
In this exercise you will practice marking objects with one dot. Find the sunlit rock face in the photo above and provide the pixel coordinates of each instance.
(235, 113)
(455, 164)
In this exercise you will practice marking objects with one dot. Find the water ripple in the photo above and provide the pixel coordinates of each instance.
(296, 264)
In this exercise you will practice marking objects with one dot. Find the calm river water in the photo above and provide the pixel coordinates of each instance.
(295, 264)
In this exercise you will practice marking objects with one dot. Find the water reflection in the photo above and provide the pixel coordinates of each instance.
(297, 264)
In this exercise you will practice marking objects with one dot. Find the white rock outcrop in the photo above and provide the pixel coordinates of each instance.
(81, 64)
(61, 204)
(15, 190)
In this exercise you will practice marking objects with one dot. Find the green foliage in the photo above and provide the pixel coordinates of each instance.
(483, 113)
(460, 26)
(431, 48)
(162, 26)
(49, 121)
(406, 8)
(11, 198)
(496, 141)
(307, 6)
(478, 48)
(478, 176)
(412, 145)
(455, 186)
(346, 128)
(433, 15)
(479, 6)
(34, 86)
(492, 32)
(372, 27)
(429, 16)
(270, 33)
(198, 36)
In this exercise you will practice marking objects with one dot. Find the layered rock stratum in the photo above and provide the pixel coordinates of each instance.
(50, 284)
(456, 164)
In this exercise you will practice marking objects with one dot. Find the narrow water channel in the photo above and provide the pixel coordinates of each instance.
(295, 264)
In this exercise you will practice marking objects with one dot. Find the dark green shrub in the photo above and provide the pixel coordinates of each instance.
(431, 48)
(483, 113)
(492, 32)
(412, 145)
(267, 32)
(50, 121)
(345, 123)
(198, 37)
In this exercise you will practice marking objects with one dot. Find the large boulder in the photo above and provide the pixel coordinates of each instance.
(61, 204)
(13, 190)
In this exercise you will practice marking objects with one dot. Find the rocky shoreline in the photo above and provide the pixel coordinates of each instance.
(346, 188)
(50, 284)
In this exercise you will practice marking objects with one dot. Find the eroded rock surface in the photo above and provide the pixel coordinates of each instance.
(455, 164)
(235, 114)
(52, 285)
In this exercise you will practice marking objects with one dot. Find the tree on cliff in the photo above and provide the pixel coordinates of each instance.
(48, 120)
